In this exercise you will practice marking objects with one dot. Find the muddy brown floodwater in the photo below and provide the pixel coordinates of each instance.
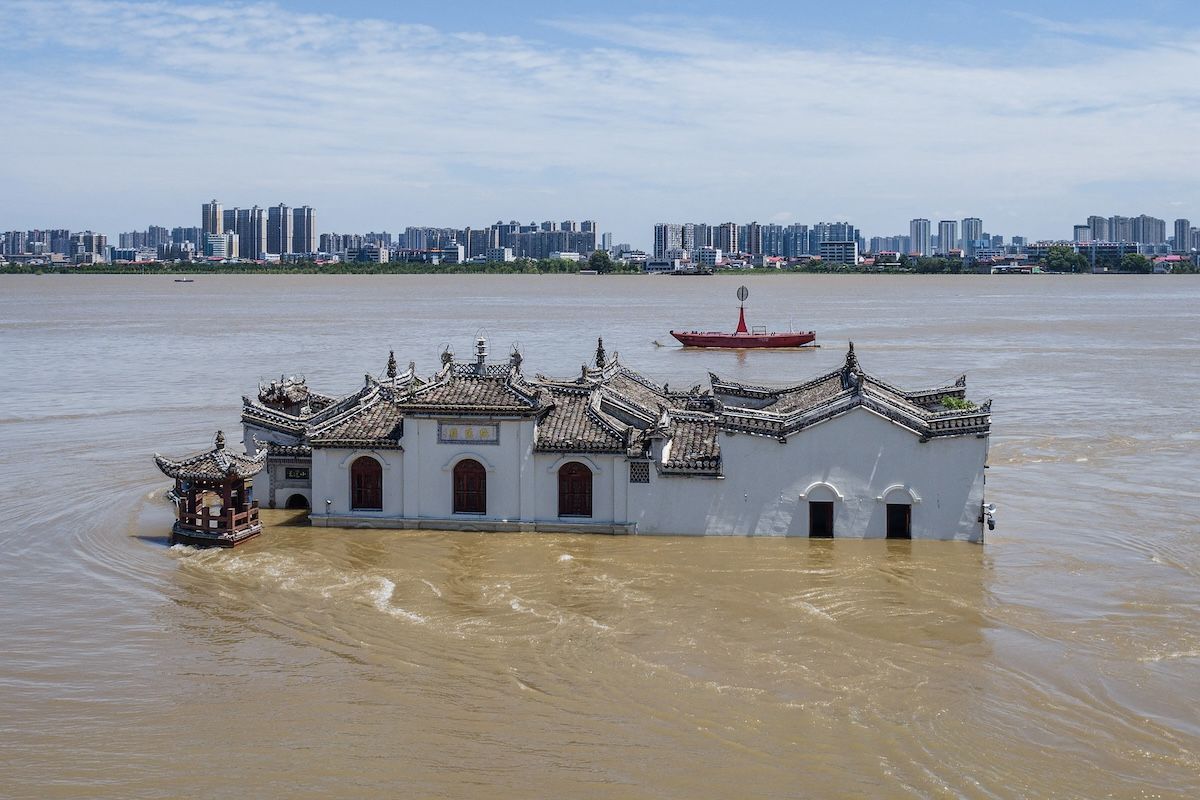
(1060, 659)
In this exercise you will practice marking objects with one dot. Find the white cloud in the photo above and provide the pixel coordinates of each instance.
(381, 125)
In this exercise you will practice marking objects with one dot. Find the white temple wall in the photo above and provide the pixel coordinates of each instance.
(606, 469)
(859, 456)
(432, 490)
(331, 481)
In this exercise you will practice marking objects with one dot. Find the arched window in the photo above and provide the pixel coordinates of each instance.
(470, 487)
(366, 484)
(574, 490)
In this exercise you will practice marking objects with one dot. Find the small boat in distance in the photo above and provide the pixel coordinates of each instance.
(185, 280)
(743, 336)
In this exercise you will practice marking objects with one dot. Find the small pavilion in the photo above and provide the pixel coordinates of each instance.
(214, 496)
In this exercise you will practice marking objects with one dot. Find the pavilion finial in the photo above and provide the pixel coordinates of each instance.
(391, 365)
(219, 442)
(852, 360)
(601, 356)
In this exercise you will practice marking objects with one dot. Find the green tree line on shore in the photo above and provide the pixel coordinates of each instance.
(1061, 258)
(599, 262)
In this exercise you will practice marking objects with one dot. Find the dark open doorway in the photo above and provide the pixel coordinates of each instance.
(899, 521)
(296, 502)
(820, 519)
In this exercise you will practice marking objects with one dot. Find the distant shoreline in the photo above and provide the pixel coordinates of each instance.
(188, 270)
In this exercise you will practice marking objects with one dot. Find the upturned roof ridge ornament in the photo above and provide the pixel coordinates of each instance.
(447, 356)
(852, 372)
(515, 358)
(391, 364)
(219, 441)
(961, 381)
(986, 408)
(601, 356)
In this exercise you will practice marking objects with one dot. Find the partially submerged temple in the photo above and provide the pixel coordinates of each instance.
(481, 446)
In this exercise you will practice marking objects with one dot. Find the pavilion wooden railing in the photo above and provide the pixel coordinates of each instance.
(226, 521)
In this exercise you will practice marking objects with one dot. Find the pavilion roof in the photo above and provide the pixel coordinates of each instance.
(217, 464)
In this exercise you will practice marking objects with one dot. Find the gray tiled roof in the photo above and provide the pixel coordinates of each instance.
(808, 395)
(574, 424)
(475, 393)
(212, 465)
(377, 424)
(693, 446)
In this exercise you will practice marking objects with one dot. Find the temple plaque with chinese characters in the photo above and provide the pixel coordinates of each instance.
(469, 433)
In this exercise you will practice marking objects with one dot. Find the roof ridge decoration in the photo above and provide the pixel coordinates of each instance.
(852, 371)
(601, 356)
(391, 365)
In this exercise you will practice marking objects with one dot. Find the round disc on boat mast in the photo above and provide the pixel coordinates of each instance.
(743, 293)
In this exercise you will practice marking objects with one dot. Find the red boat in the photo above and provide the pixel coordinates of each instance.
(743, 336)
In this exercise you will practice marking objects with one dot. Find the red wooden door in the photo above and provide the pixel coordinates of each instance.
(470, 487)
(574, 490)
(366, 485)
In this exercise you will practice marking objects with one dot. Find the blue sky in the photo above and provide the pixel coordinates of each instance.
(381, 115)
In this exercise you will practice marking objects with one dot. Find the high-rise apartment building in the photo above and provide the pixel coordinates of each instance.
(1082, 234)
(772, 240)
(947, 236)
(795, 241)
(725, 238)
(279, 230)
(251, 227)
(1183, 235)
(14, 243)
(228, 219)
(1149, 230)
(919, 234)
(689, 237)
(1120, 229)
(667, 236)
(211, 218)
(972, 235)
(754, 239)
(1099, 227)
(304, 230)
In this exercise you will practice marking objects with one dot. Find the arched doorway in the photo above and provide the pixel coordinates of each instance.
(366, 484)
(296, 502)
(574, 490)
(470, 487)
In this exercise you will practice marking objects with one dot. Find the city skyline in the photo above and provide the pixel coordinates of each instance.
(386, 120)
